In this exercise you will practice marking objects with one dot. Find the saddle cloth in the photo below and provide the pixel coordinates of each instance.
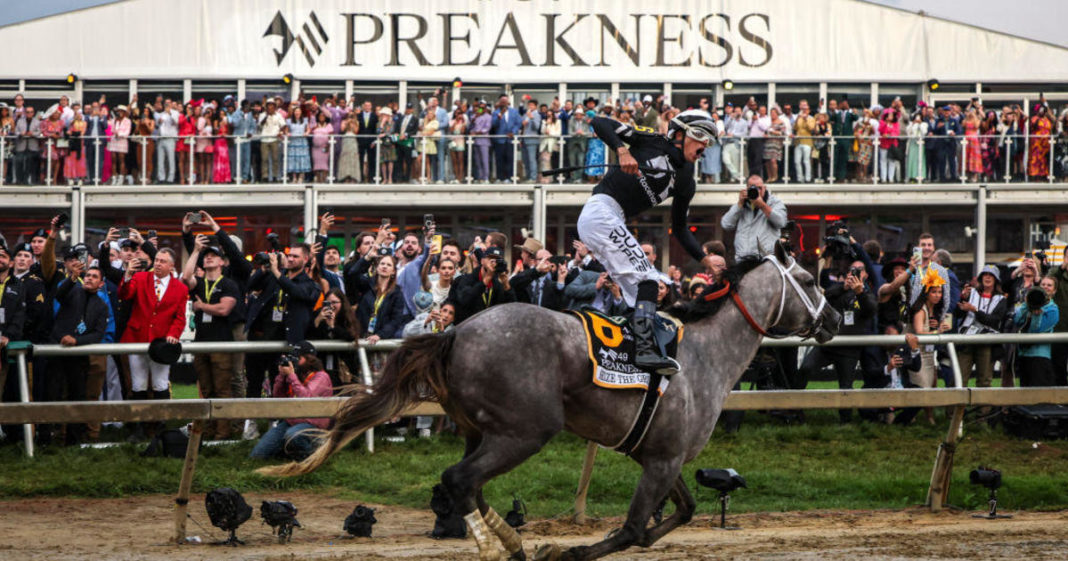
(611, 348)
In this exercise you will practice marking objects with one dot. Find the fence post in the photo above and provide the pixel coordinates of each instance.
(963, 160)
(515, 158)
(422, 160)
(144, 160)
(365, 371)
(787, 146)
(1052, 146)
(3, 163)
(922, 169)
(378, 161)
(192, 159)
(980, 228)
(24, 397)
(1008, 159)
(181, 502)
(943, 467)
(469, 143)
(743, 173)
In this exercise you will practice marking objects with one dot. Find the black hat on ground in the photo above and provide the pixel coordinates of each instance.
(159, 350)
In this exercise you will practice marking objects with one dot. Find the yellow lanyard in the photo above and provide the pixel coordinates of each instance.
(487, 296)
(3, 287)
(378, 304)
(209, 289)
(278, 305)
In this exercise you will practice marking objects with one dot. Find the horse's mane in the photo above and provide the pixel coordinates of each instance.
(700, 308)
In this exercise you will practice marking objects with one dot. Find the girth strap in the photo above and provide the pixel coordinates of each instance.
(644, 418)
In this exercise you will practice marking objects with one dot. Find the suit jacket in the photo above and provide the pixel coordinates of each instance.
(300, 295)
(392, 314)
(499, 127)
(368, 126)
(13, 308)
(411, 128)
(467, 292)
(524, 283)
(81, 315)
(151, 319)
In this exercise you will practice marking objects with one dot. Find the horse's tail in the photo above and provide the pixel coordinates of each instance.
(413, 372)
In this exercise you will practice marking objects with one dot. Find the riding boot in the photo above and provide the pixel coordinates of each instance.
(648, 355)
(138, 434)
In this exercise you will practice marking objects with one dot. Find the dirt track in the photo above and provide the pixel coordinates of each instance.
(139, 529)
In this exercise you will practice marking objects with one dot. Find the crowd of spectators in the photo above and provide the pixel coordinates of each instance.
(335, 139)
(400, 283)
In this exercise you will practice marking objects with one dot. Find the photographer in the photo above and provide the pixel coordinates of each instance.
(855, 301)
(329, 258)
(983, 310)
(756, 220)
(281, 307)
(81, 319)
(299, 374)
(1036, 314)
(900, 363)
(337, 321)
(214, 298)
(1059, 277)
(487, 287)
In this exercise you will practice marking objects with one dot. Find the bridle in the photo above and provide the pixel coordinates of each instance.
(815, 310)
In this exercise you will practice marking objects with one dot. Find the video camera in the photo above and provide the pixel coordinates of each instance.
(837, 242)
(274, 242)
(1036, 299)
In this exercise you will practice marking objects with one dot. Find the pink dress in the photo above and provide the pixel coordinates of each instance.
(120, 130)
(321, 146)
(220, 173)
(204, 142)
(975, 153)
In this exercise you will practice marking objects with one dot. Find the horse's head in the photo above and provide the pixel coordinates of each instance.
(802, 309)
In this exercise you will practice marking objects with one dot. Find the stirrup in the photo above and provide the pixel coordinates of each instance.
(665, 366)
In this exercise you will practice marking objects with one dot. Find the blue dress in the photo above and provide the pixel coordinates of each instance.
(595, 155)
(298, 155)
(711, 164)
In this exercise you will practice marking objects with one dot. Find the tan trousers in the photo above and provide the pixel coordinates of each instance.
(214, 374)
(979, 356)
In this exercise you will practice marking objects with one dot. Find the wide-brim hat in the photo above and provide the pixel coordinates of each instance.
(991, 270)
(385, 111)
(122, 108)
(896, 262)
(531, 246)
(159, 350)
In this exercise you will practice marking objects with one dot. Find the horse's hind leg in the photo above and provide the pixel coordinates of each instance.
(656, 481)
(493, 456)
(684, 508)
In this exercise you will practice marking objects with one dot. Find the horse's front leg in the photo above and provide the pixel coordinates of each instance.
(685, 505)
(657, 480)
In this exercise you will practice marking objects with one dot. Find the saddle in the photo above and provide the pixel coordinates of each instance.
(611, 348)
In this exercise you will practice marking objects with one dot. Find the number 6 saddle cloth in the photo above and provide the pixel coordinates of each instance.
(611, 348)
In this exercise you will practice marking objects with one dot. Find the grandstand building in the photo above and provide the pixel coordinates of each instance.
(776, 51)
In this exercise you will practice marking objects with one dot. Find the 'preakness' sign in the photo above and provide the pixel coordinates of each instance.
(515, 41)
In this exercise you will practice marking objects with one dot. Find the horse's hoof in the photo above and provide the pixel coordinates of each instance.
(575, 553)
(518, 556)
(489, 555)
(547, 552)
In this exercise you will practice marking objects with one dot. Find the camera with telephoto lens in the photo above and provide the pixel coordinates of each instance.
(752, 192)
(261, 259)
(856, 272)
(837, 241)
(499, 265)
(274, 242)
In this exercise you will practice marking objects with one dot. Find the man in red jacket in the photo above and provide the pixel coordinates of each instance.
(158, 310)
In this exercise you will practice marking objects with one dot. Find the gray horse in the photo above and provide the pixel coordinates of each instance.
(515, 375)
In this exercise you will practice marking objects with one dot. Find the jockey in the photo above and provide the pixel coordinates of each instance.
(626, 192)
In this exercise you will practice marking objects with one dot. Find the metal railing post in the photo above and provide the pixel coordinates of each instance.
(830, 161)
(515, 159)
(331, 142)
(787, 146)
(923, 163)
(24, 397)
(285, 160)
(97, 172)
(3, 162)
(469, 142)
(378, 161)
(980, 225)
(368, 381)
(422, 160)
(48, 165)
(875, 160)
(1008, 159)
(1052, 151)
(144, 160)
(192, 159)
(237, 160)
(963, 161)
(742, 159)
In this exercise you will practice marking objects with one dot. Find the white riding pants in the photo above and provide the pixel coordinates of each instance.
(142, 369)
(602, 227)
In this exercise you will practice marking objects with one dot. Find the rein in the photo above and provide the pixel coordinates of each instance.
(814, 310)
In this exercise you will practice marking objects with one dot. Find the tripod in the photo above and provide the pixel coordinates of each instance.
(993, 514)
(724, 503)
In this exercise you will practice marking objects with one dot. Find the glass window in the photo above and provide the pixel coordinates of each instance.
(114, 91)
(488, 92)
(858, 95)
(322, 88)
(686, 98)
(578, 93)
(541, 95)
(260, 90)
(740, 94)
(418, 94)
(909, 94)
(629, 93)
(792, 94)
(377, 94)
(213, 91)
